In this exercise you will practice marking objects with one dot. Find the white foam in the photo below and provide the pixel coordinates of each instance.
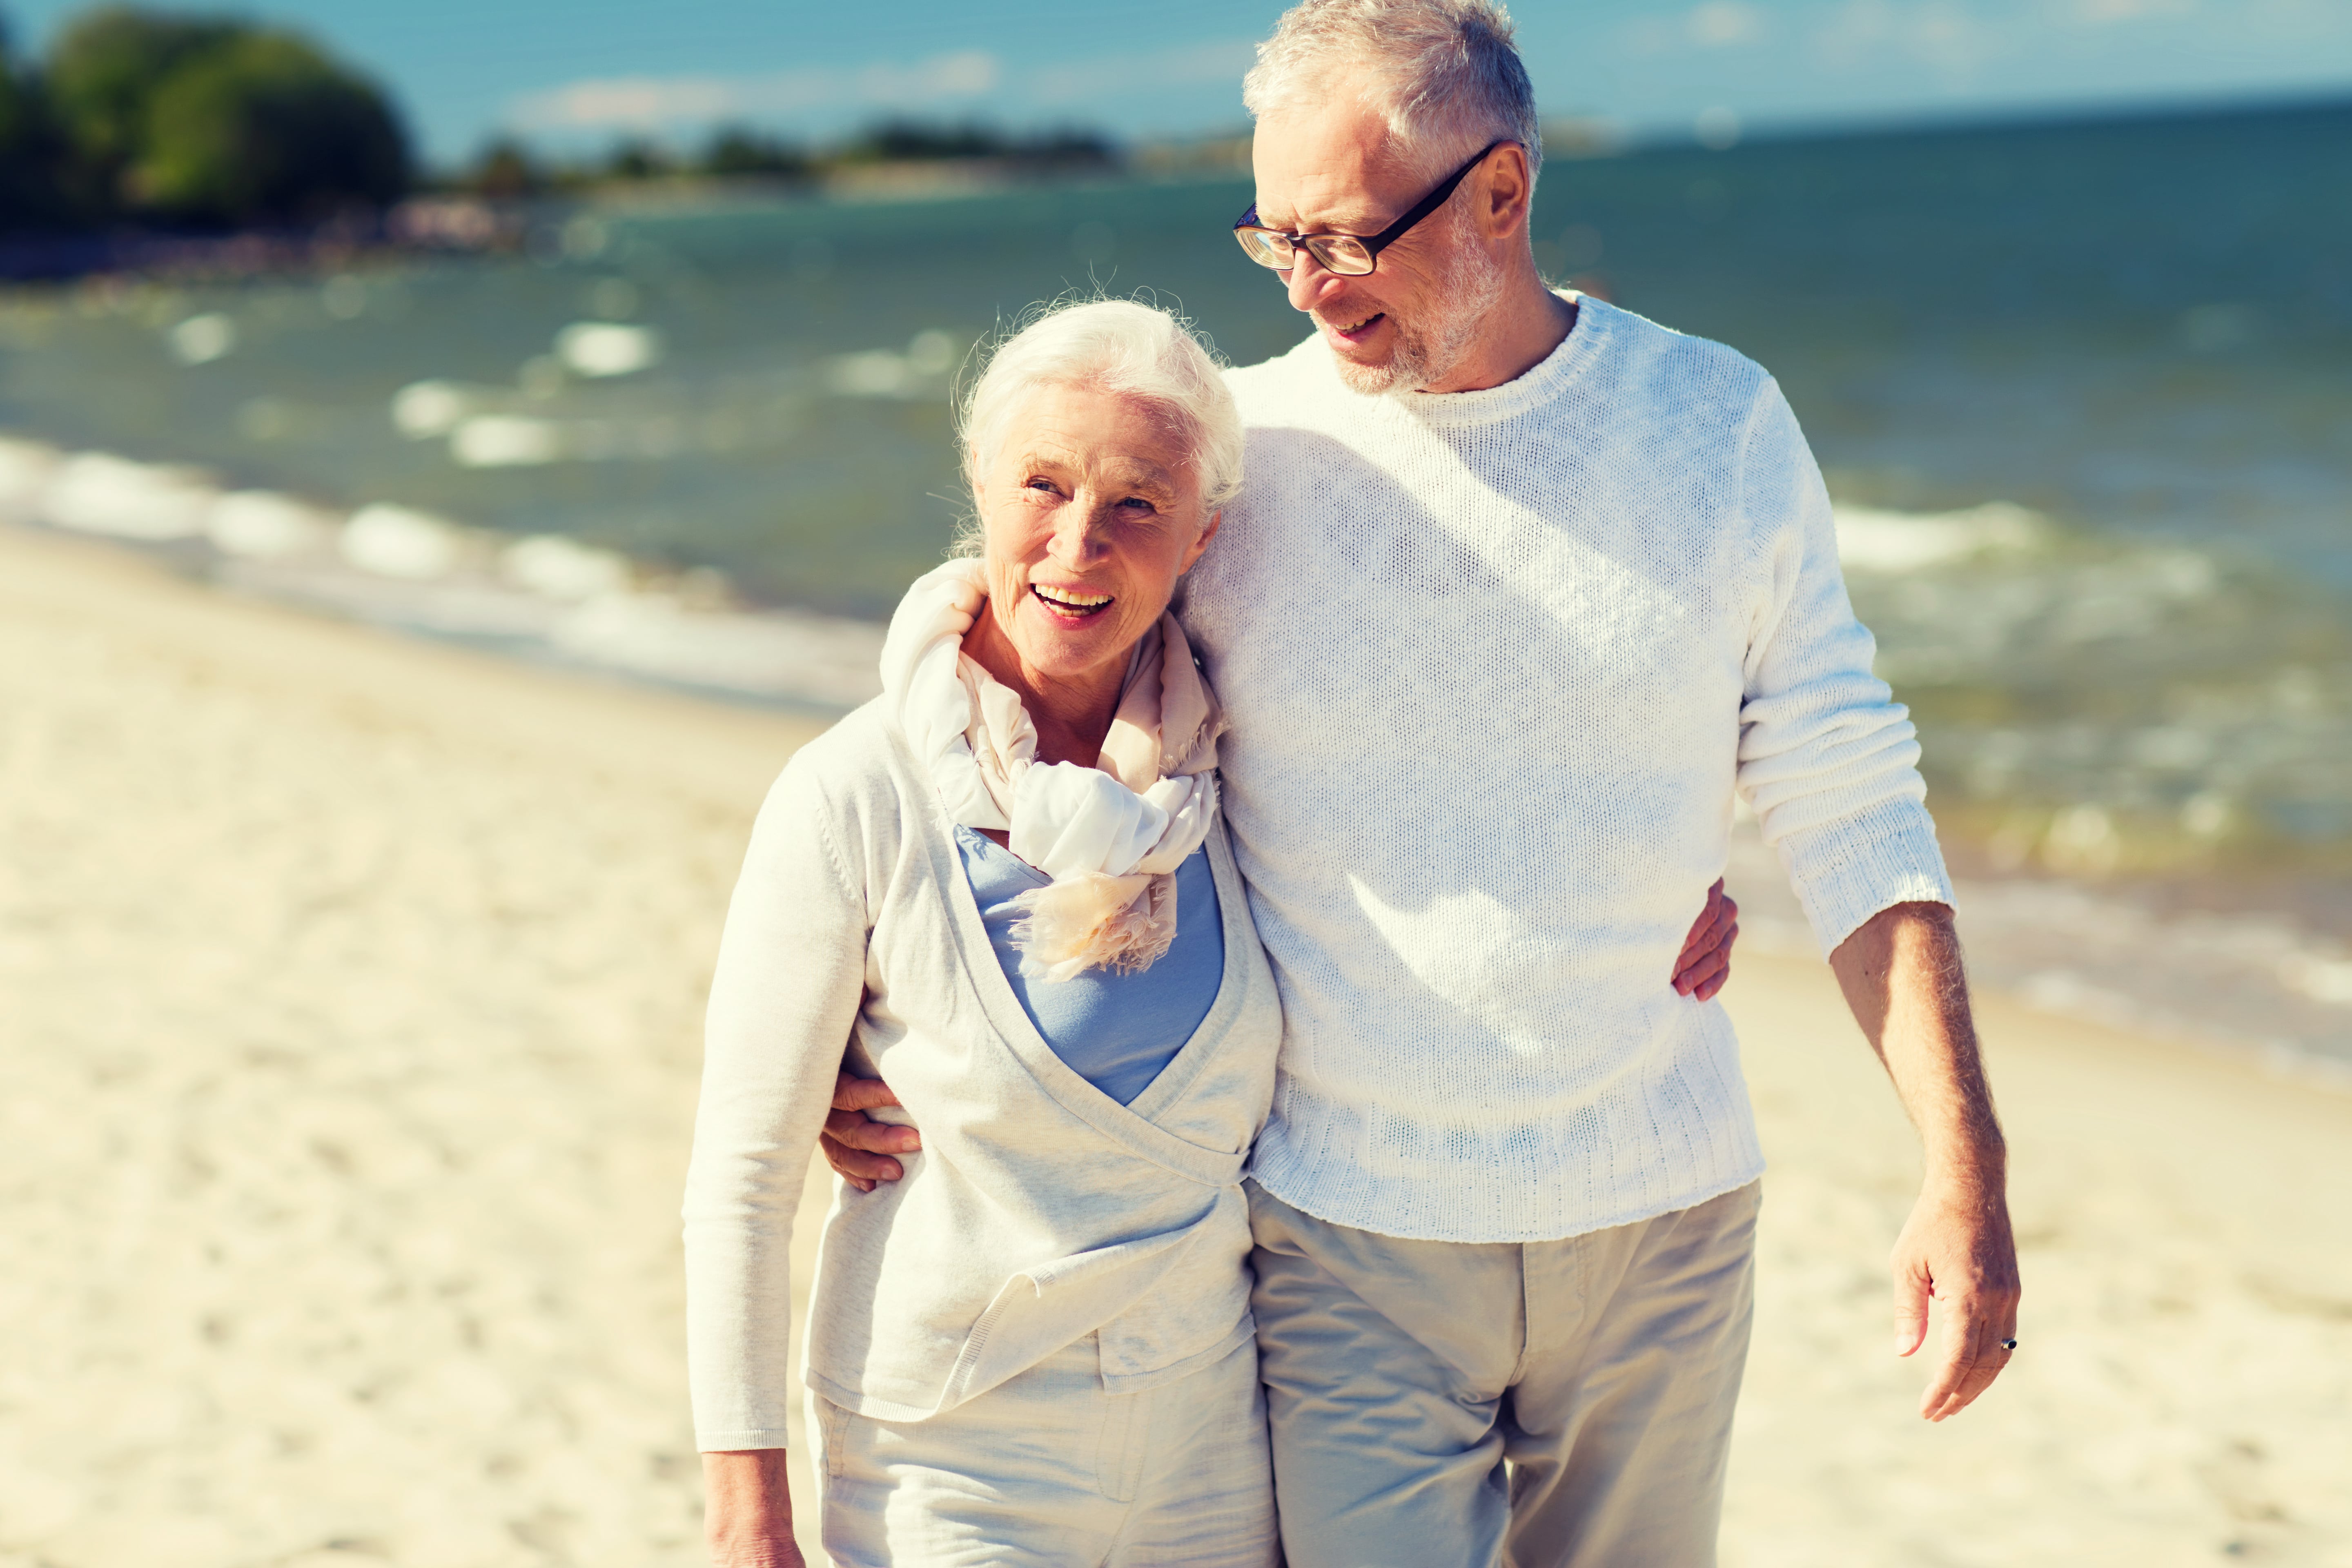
(564, 569)
(263, 525)
(98, 493)
(507, 441)
(599, 349)
(772, 654)
(424, 409)
(401, 542)
(200, 340)
(1872, 538)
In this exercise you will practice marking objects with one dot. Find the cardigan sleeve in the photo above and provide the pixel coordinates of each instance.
(783, 998)
(1827, 758)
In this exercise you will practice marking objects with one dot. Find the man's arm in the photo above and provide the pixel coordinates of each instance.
(1902, 975)
(858, 1148)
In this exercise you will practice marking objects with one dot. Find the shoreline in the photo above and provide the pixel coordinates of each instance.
(350, 1065)
(2200, 956)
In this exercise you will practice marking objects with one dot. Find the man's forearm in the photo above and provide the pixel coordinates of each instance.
(1902, 975)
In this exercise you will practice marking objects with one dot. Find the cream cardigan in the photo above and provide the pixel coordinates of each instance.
(1039, 1211)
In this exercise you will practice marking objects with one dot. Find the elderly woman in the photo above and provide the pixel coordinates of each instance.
(1003, 887)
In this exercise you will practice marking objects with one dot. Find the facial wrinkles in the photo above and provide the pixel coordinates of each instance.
(1439, 332)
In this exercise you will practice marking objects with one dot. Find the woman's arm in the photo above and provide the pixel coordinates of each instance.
(747, 1516)
(784, 997)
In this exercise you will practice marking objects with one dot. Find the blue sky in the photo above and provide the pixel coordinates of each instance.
(577, 72)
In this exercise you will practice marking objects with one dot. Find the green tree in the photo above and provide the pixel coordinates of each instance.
(103, 72)
(504, 171)
(735, 151)
(635, 158)
(264, 127)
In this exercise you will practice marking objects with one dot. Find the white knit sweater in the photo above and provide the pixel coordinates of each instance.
(1496, 662)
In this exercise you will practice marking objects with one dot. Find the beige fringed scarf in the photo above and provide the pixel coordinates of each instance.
(1111, 837)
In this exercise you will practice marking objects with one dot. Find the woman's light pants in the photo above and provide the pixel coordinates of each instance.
(1048, 1469)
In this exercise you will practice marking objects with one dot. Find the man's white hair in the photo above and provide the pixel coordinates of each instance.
(1442, 73)
(1126, 349)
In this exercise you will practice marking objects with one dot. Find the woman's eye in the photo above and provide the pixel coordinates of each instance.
(1041, 484)
(1138, 501)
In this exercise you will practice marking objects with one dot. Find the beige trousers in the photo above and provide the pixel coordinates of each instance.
(1546, 1405)
(1048, 1469)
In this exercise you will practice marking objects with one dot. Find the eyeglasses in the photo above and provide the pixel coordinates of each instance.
(1349, 256)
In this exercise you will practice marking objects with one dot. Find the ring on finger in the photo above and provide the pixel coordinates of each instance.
(2009, 1344)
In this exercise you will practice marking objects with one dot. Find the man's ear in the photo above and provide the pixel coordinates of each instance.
(1510, 191)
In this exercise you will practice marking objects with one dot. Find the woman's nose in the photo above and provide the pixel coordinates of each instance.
(1080, 537)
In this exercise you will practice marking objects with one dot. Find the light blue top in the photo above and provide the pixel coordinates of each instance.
(1116, 1031)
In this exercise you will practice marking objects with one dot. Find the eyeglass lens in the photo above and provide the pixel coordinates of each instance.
(1340, 253)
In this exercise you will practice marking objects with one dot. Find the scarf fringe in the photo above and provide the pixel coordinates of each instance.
(1095, 921)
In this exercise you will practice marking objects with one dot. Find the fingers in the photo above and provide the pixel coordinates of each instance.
(860, 1093)
(1911, 1292)
(1708, 975)
(857, 1131)
(855, 1145)
(1703, 976)
(1701, 931)
(855, 1167)
(1973, 1357)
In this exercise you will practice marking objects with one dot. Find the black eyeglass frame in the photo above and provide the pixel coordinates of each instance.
(1247, 224)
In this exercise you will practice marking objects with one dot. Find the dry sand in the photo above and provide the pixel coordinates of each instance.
(348, 992)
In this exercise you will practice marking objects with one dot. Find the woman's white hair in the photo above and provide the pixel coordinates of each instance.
(1442, 73)
(1126, 349)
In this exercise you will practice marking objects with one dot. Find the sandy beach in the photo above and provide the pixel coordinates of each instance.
(349, 991)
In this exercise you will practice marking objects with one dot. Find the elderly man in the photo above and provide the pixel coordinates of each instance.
(1522, 588)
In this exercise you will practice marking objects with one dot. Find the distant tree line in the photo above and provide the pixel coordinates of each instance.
(139, 116)
(508, 168)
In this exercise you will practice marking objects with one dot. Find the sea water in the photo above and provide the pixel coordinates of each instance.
(2082, 391)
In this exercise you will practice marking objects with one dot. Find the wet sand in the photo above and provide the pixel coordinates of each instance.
(347, 1059)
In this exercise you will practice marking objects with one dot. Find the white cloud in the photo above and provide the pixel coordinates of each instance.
(1719, 23)
(649, 103)
(942, 82)
(1713, 25)
(1944, 35)
(1109, 75)
(2105, 13)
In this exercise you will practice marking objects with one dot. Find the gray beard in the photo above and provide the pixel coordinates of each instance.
(1429, 351)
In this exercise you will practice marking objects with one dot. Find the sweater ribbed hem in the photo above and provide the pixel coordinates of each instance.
(733, 1442)
(1680, 1133)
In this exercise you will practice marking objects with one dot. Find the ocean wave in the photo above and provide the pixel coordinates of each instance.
(544, 594)
(2091, 703)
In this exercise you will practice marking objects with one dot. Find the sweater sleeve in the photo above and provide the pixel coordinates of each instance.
(786, 991)
(1827, 758)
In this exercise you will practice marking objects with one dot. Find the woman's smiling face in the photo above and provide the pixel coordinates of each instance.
(1090, 509)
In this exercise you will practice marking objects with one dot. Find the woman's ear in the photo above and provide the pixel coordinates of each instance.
(1208, 532)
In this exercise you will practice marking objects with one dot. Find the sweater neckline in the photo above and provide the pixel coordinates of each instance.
(1540, 383)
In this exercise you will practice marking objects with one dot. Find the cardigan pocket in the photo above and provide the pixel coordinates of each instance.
(1042, 1308)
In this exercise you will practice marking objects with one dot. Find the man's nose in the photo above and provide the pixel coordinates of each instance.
(1310, 282)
